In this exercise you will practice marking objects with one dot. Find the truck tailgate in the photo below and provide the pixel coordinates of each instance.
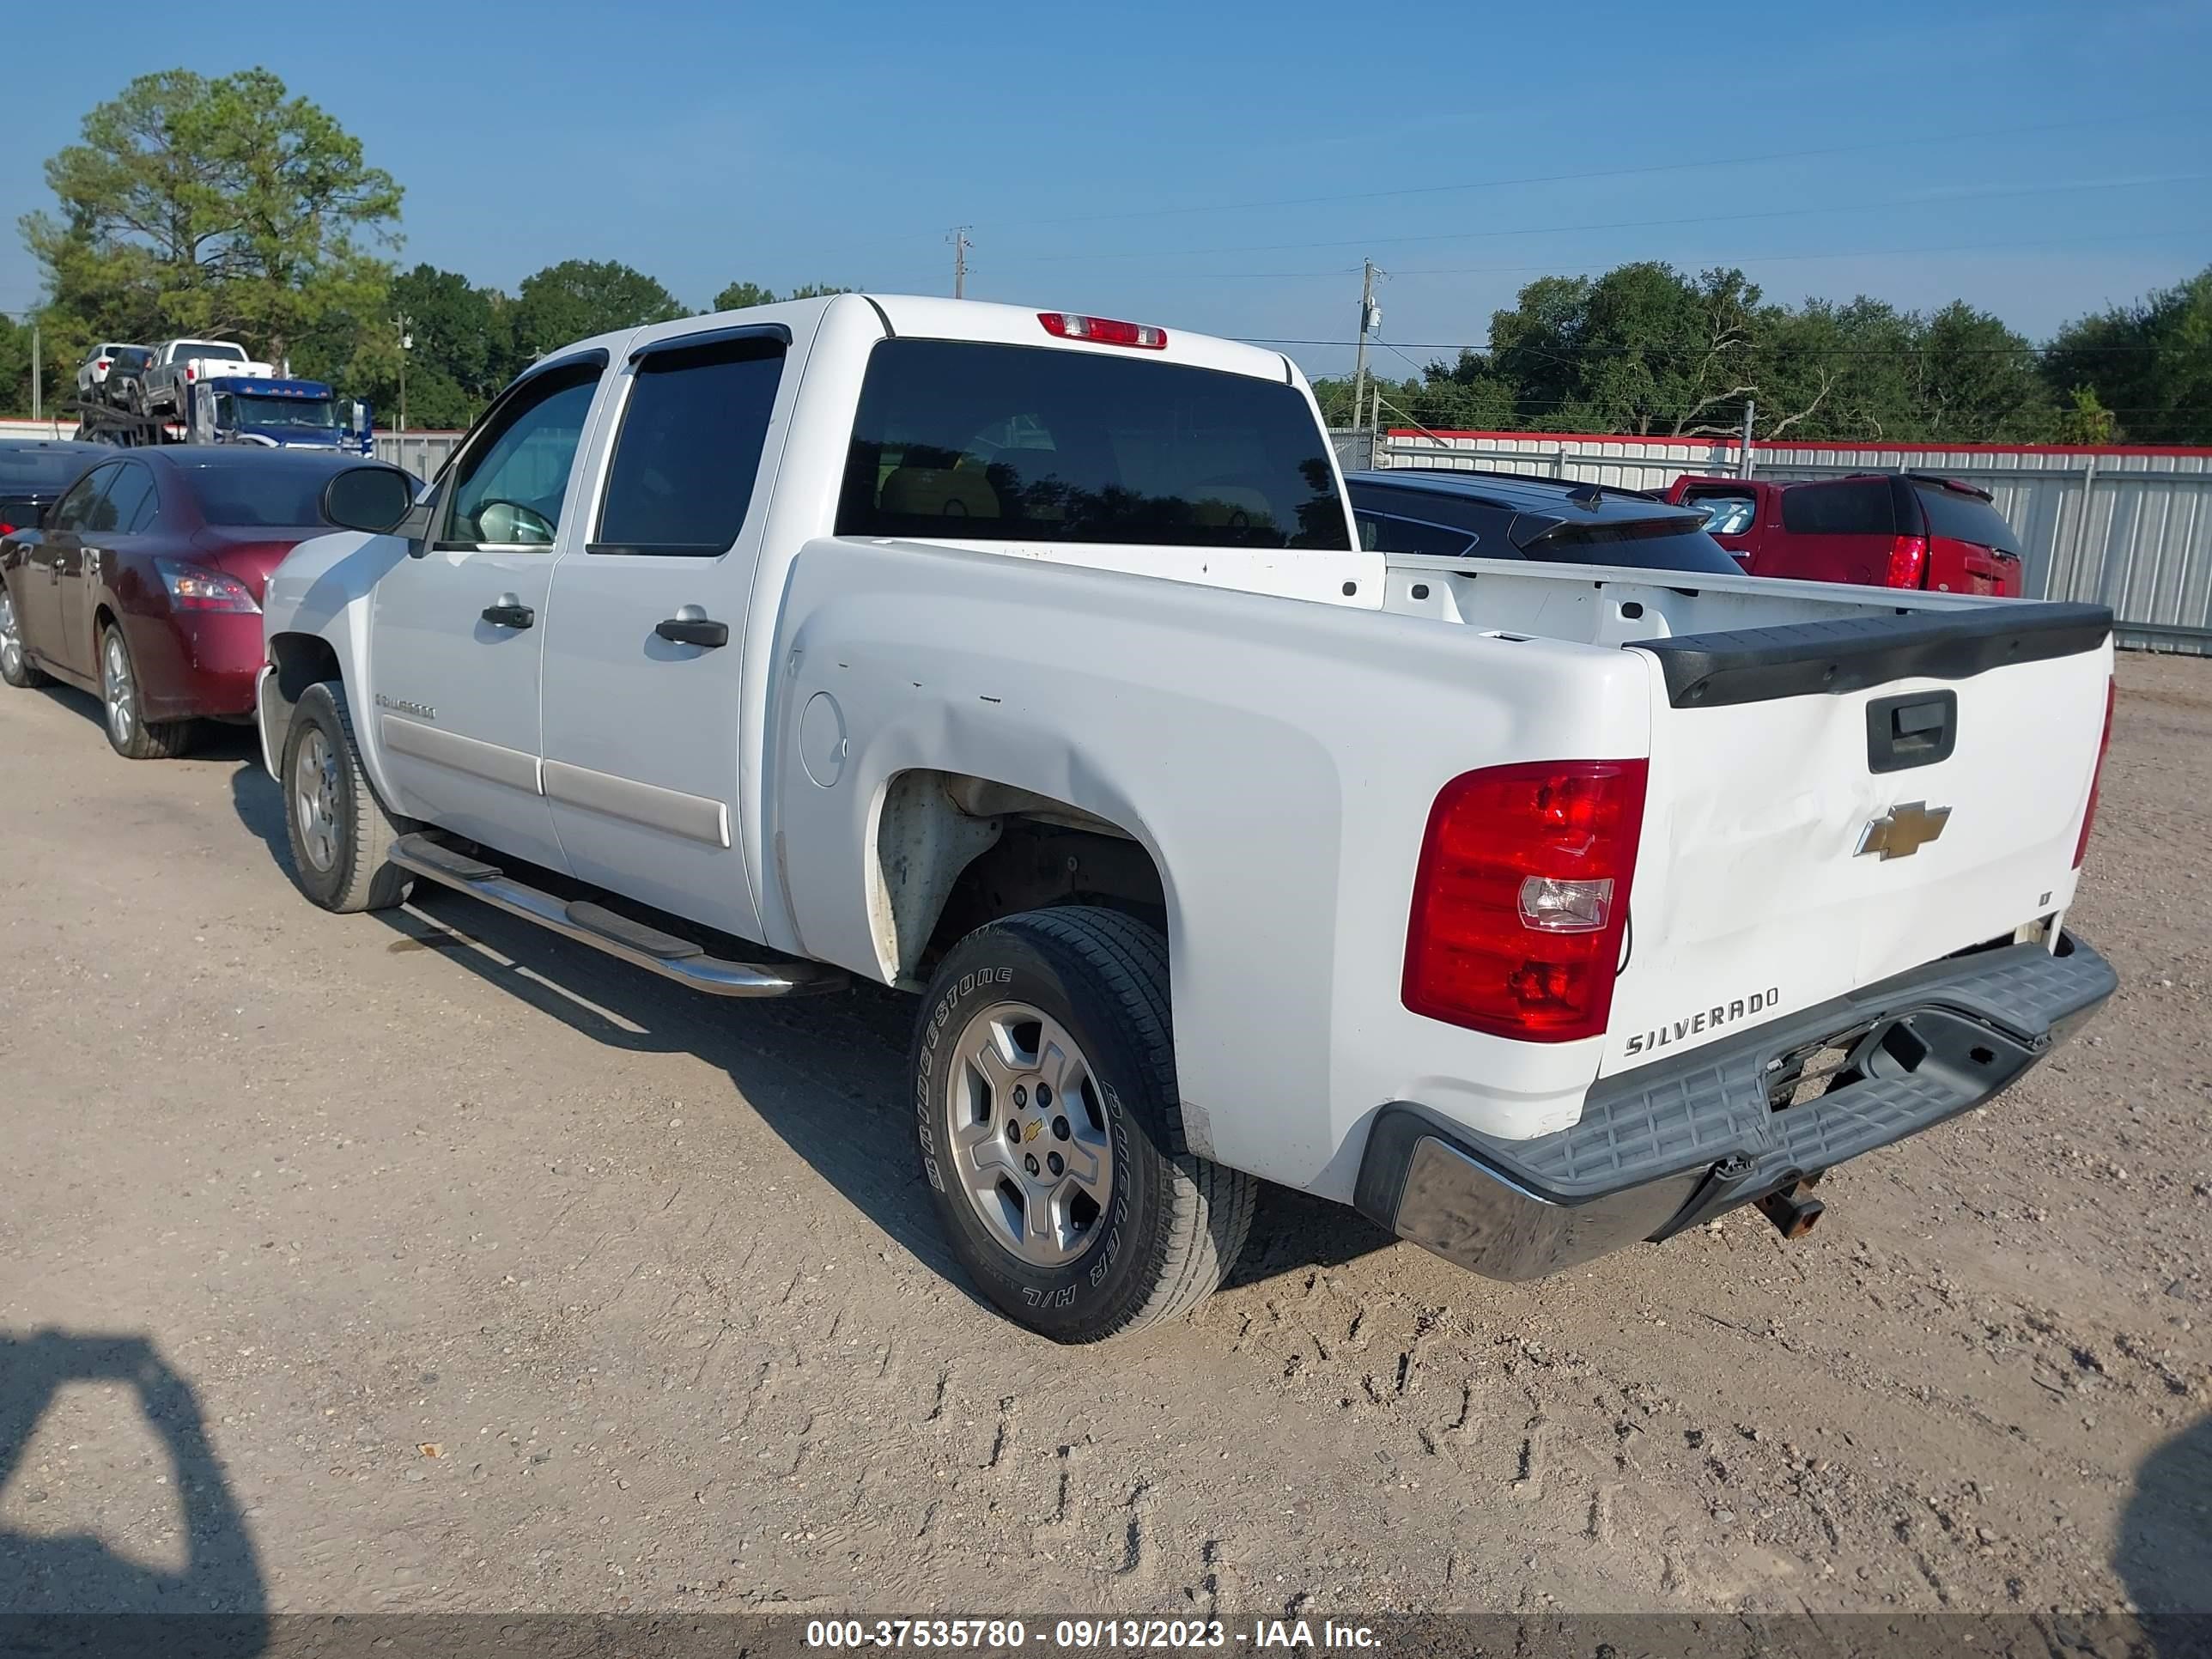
(1833, 803)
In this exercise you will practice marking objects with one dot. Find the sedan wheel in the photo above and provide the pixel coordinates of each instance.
(118, 691)
(134, 737)
(15, 664)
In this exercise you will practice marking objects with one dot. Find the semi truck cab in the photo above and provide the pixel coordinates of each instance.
(283, 414)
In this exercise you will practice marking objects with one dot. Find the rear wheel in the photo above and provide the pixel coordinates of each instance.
(15, 664)
(133, 736)
(1051, 1129)
(339, 832)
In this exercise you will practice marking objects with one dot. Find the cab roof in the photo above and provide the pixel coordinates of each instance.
(920, 316)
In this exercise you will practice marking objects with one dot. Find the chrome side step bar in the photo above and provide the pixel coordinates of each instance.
(587, 923)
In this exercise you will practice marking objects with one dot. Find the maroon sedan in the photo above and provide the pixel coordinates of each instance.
(143, 584)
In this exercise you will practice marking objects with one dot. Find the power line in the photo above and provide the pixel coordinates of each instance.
(1591, 349)
(1995, 193)
(1555, 269)
(1846, 253)
(1919, 143)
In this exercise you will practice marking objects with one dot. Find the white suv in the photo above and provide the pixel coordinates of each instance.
(123, 361)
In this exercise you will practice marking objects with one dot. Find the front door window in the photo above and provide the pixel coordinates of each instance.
(506, 490)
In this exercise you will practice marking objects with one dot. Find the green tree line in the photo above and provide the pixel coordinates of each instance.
(1648, 350)
(229, 206)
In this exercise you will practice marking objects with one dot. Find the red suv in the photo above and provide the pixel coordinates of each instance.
(1879, 528)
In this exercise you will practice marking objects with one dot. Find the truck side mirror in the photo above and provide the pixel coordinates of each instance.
(375, 499)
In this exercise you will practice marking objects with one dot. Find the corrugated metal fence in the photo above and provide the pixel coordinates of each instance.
(421, 453)
(2128, 528)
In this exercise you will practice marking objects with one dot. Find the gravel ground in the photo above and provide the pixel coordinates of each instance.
(426, 1263)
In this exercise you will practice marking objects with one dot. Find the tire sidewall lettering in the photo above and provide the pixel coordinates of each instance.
(1087, 1276)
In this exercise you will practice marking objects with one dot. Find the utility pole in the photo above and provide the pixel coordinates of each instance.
(1743, 455)
(1370, 318)
(404, 324)
(958, 237)
(38, 373)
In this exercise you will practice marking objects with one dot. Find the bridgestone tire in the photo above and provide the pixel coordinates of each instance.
(1174, 1222)
(358, 876)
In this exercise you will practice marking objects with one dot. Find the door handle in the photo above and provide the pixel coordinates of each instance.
(694, 630)
(509, 612)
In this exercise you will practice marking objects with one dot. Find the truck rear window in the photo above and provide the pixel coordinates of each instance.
(1855, 506)
(958, 440)
(1674, 543)
(1964, 517)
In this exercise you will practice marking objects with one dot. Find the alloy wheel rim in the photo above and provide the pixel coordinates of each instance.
(314, 799)
(115, 684)
(1025, 1119)
(11, 643)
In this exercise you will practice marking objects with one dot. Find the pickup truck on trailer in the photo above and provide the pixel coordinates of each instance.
(179, 364)
(1030, 661)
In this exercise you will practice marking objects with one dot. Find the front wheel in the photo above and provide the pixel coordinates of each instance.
(1051, 1128)
(339, 833)
(15, 664)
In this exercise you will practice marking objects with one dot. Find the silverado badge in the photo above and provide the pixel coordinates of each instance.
(1903, 830)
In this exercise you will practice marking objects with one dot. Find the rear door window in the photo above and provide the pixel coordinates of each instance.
(689, 448)
(966, 442)
(128, 503)
(1850, 507)
(1964, 517)
(1386, 532)
(74, 510)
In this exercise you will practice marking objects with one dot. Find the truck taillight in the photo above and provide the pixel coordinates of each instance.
(2096, 776)
(1522, 897)
(1908, 562)
(1103, 331)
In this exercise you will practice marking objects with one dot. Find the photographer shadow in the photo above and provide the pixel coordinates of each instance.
(74, 1592)
(2163, 1549)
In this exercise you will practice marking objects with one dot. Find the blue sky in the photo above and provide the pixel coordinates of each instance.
(1226, 167)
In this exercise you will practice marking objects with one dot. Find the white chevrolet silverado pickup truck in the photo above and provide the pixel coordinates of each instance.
(1031, 662)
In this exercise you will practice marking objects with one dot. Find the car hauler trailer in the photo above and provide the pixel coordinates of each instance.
(282, 414)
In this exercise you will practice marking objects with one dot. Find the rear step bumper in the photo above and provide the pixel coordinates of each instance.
(1669, 1145)
(587, 923)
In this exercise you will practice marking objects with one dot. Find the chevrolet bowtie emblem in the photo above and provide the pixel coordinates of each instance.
(1029, 1131)
(1903, 830)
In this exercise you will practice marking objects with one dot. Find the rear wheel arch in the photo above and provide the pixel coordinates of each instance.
(950, 852)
